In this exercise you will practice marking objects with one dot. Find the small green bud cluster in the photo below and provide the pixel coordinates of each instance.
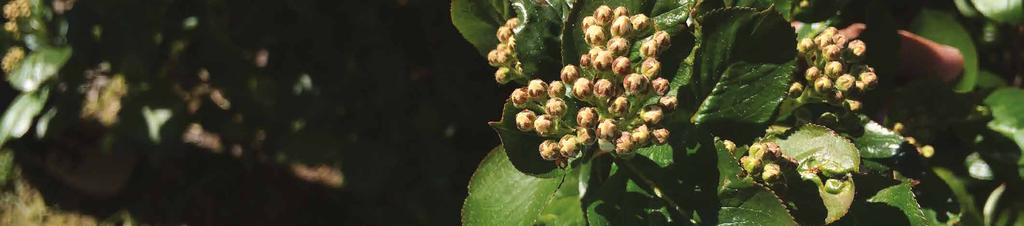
(503, 55)
(761, 161)
(607, 91)
(834, 71)
(12, 59)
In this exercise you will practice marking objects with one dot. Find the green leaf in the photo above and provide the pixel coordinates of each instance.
(521, 147)
(878, 141)
(838, 203)
(968, 209)
(902, 196)
(563, 210)
(1008, 117)
(743, 201)
(1005, 11)
(822, 147)
(538, 39)
(817, 10)
(943, 28)
(988, 80)
(501, 195)
(746, 95)
(638, 191)
(478, 20)
(38, 67)
(6, 165)
(17, 120)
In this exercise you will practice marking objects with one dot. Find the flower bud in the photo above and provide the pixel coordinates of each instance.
(619, 46)
(504, 33)
(852, 105)
(537, 89)
(604, 89)
(501, 75)
(635, 84)
(869, 79)
(796, 89)
(519, 97)
(604, 60)
(805, 45)
(607, 129)
(588, 21)
(650, 67)
(750, 164)
(620, 12)
(833, 69)
(624, 144)
(524, 120)
(585, 136)
(845, 82)
(585, 60)
(823, 84)
(493, 59)
(621, 66)
(511, 44)
(825, 38)
(839, 40)
(619, 106)
(772, 172)
(582, 88)
(757, 150)
(594, 35)
(555, 106)
(621, 27)
(857, 48)
(569, 74)
(812, 74)
(662, 39)
(512, 22)
(568, 146)
(837, 96)
(652, 114)
(729, 146)
(669, 102)
(641, 135)
(549, 150)
(660, 135)
(640, 22)
(661, 86)
(649, 49)
(544, 125)
(603, 14)
(556, 89)
(594, 51)
(12, 59)
(586, 117)
(831, 52)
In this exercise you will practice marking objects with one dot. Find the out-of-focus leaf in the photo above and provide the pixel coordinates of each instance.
(37, 67)
(988, 80)
(943, 28)
(1008, 117)
(538, 39)
(155, 118)
(501, 195)
(878, 141)
(977, 167)
(902, 196)
(17, 120)
(478, 21)
(814, 11)
(1006, 11)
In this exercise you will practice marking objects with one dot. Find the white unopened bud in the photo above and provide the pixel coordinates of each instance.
(607, 129)
(524, 120)
(652, 114)
(555, 106)
(593, 52)
(650, 67)
(805, 46)
(585, 60)
(845, 82)
(619, 46)
(549, 150)
(662, 39)
(556, 89)
(641, 135)
(582, 88)
(857, 48)
(501, 75)
(640, 22)
(585, 136)
(494, 59)
(620, 12)
(831, 52)
(823, 84)
(825, 38)
(796, 89)
(594, 35)
(512, 22)
(568, 146)
(621, 27)
(833, 69)
(621, 66)
(604, 89)
(604, 60)
(624, 144)
(588, 21)
(635, 84)
(812, 74)
(619, 106)
(772, 173)
(504, 33)
(669, 102)
(852, 105)
(537, 89)
(839, 40)
(661, 86)
(649, 49)
(519, 97)
(586, 117)
(869, 79)
(603, 14)
(661, 135)
(729, 146)
(544, 125)
(569, 74)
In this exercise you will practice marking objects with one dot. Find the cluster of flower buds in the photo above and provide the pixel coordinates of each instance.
(834, 71)
(12, 59)
(503, 56)
(14, 11)
(762, 159)
(618, 107)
